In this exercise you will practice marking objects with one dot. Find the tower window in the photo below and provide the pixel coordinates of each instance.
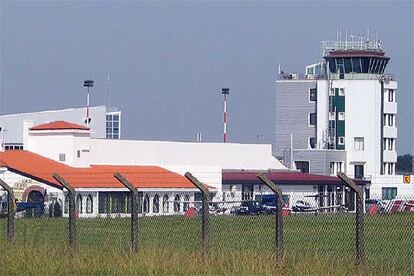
(391, 95)
(341, 116)
(312, 94)
(312, 119)
(312, 142)
(341, 140)
(341, 92)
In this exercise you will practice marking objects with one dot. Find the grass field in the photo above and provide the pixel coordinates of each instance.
(238, 245)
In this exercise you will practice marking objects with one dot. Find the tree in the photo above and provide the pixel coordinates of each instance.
(405, 163)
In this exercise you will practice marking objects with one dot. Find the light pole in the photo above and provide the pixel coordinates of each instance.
(225, 92)
(87, 84)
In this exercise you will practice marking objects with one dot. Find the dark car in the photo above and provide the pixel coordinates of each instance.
(249, 208)
(301, 206)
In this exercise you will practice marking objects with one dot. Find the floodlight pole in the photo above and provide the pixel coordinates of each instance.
(87, 83)
(225, 92)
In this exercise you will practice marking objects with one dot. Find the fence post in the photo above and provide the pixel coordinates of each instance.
(205, 210)
(279, 221)
(11, 210)
(134, 211)
(72, 209)
(360, 239)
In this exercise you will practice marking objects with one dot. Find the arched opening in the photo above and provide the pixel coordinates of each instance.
(165, 204)
(79, 209)
(177, 203)
(186, 202)
(89, 205)
(66, 205)
(146, 204)
(38, 201)
(156, 204)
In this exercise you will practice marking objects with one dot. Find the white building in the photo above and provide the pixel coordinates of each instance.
(341, 116)
(105, 123)
(88, 164)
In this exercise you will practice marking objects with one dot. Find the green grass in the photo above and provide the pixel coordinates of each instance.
(238, 245)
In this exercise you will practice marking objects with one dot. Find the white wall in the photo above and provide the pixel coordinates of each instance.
(161, 153)
(51, 143)
(404, 191)
(14, 122)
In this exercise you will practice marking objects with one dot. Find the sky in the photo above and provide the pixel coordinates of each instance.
(168, 61)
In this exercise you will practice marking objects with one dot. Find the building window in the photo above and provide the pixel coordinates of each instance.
(113, 122)
(341, 92)
(177, 204)
(391, 118)
(332, 116)
(332, 92)
(384, 120)
(62, 157)
(341, 116)
(79, 204)
(302, 166)
(146, 204)
(66, 204)
(341, 140)
(186, 202)
(389, 168)
(89, 205)
(312, 95)
(389, 193)
(312, 142)
(390, 144)
(78, 153)
(358, 171)
(312, 119)
(165, 204)
(391, 95)
(335, 168)
(358, 143)
(156, 204)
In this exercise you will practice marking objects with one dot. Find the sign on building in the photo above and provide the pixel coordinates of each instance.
(407, 179)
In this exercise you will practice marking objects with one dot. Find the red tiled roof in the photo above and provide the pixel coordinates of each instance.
(59, 125)
(41, 169)
(284, 178)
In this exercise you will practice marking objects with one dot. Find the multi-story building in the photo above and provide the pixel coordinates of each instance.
(105, 122)
(341, 115)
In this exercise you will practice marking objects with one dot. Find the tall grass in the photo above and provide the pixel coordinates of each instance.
(57, 260)
(323, 244)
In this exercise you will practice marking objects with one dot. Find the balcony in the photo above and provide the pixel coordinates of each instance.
(390, 132)
(390, 108)
(390, 156)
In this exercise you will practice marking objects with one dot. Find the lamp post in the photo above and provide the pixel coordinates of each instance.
(87, 83)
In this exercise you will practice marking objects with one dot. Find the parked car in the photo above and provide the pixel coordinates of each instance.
(301, 206)
(249, 208)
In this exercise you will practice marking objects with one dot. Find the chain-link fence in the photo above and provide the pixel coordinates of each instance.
(124, 213)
